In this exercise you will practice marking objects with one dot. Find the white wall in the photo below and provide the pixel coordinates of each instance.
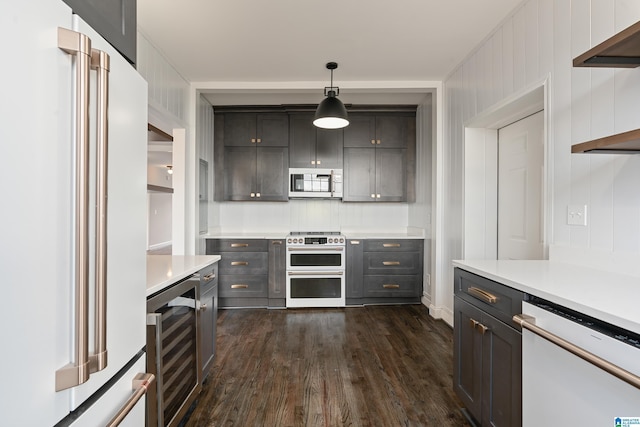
(159, 216)
(538, 41)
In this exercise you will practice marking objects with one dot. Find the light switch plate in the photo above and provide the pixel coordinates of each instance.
(577, 215)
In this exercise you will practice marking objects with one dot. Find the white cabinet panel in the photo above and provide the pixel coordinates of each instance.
(508, 58)
(531, 41)
(519, 49)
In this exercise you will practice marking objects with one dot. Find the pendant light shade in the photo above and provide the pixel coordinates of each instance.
(331, 113)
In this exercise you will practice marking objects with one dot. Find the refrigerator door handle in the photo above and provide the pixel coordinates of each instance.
(100, 62)
(140, 384)
(77, 372)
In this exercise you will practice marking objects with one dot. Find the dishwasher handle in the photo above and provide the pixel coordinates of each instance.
(528, 322)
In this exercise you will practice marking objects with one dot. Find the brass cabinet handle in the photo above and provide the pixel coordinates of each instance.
(258, 140)
(239, 286)
(253, 140)
(391, 245)
(354, 242)
(483, 295)
(378, 196)
(378, 141)
(236, 263)
(373, 196)
(276, 242)
(390, 262)
(258, 195)
(239, 245)
(252, 195)
(373, 142)
(209, 276)
(391, 286)
(481, 328)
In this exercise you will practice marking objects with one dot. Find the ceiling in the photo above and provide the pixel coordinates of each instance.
(274, 52)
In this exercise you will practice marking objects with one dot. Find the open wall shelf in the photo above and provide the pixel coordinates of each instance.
(620, 51)
(622, 143)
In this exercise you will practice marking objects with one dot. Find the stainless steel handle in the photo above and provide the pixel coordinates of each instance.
(390, 286)
(315, 273)
(140, 385)
(237, 263)
(239, 286)
(100, 62)
(391, 245)
(483, 295)
(528, 322)
(77, 372)
(316, 249)
(239, 245)
(390, 263)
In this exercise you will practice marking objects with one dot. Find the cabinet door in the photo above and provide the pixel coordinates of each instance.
(208, 318)
(391, 175)
(361, 130)
(272, 129)
(468, 354)
(116, 21)
(277, 269)
(302, 141)
(239, 129)
(393, 131)
(329, 144)
(355, 269)
(272, 174)
(239, 173)
(502, 374)
(359, 175)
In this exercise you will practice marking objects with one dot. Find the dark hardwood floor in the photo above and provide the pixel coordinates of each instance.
(357, 366)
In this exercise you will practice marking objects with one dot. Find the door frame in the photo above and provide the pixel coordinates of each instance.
(480, 194)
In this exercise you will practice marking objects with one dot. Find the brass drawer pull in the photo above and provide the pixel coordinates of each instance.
(354, 242)
(276, 242)
(390, 262)
(481, 328)
(391, 245)
(209, 277)
(235, 263)
(239, 286)
(483, 295)
(239, 245)
(391, 286)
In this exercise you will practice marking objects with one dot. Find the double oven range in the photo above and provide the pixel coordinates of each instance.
(315, 269)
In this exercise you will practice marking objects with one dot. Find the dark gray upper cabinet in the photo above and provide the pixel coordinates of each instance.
(115, 20)
(251, 156)
(379, 157)
(311, 147)
(251, 129)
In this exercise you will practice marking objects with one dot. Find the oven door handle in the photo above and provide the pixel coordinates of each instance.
(528, 322)
(315, 273)
(317, 249)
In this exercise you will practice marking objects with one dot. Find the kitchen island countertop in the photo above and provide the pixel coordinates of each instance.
(608, 296)
(165, 270)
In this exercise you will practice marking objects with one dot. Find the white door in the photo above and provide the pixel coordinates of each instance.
(520, 172)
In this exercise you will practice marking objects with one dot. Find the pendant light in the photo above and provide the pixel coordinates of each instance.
(331, 113)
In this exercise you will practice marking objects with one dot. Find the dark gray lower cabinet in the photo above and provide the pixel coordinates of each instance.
(277, 292)
(383, 271)
(487, 350)
(208, 316)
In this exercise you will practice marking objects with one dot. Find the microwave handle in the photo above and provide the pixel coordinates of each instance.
(331, 184)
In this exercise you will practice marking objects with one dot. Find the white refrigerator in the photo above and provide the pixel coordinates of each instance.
(54, 332)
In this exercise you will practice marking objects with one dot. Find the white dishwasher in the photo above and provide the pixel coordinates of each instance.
(564, 389)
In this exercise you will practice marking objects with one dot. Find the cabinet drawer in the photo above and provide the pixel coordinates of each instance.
(208, 278)
(391, 245)
(392, 263)
(215, 246)
(254, 286)
(392, 286)
(244, 263)
(495, 298)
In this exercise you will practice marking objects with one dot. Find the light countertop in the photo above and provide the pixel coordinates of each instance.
(607, 296)
(350, 234)
(165, 270)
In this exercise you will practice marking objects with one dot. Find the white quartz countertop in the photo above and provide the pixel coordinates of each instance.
(165, 270)
(382, 235)
(247, 235)
(348, 234)
(610, 297)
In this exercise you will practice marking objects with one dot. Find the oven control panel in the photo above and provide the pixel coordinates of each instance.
(315, 240)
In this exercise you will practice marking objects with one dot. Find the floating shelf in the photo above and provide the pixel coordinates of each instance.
(158, 189)
(620, 51)
(622, 143)
(155, 134)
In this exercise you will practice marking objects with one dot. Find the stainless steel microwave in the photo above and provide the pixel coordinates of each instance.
(318, 183)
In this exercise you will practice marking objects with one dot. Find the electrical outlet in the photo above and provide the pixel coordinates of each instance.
(577, 215)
